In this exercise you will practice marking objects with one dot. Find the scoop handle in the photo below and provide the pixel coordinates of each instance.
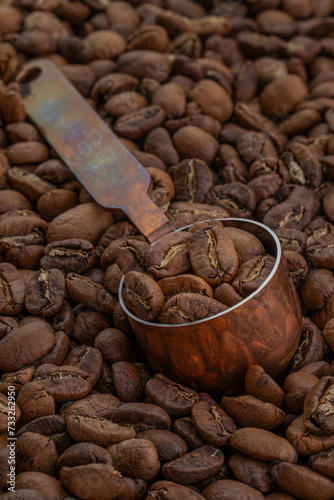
(98, 159)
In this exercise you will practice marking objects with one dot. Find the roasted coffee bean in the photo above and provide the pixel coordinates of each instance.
(134, 125)
(297, 386)
(113, 345)
(37, 337)
(137, 458)
(248, 411)
(260, 385)
(36, 453)
(45, 293)
(172, 491)
(252, 273)
(246, 244)
(88, 359)
(195, 465)
(212, 423)
(169, 256)
(97, 430)
(12, 290)
(95, 405)
(230, 489)
(183, 284)
(176, 399)
(302, 481)
(104, 477)
(185, 428)
(262, 444)
(236, 198)
(34, 401)
(64, 383)
(128, 383)
(213, 256)
(187, 307)
(254, 473)
(142, 295)
(226, 294)
(75, 256)
(131, 256)
(317, 288)
(304, 442)
(310, 348)
(141, 416)
(86, 291)
(168, 444)
(318, 407)
(192, 179)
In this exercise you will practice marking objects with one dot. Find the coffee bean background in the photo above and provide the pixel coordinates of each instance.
(229, 105)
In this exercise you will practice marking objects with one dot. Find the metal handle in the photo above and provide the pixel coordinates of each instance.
(111, 175)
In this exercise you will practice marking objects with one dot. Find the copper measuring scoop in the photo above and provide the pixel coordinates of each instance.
(209, 355)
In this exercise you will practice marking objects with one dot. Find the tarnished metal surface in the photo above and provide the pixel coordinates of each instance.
(112, 176)
(213, 355)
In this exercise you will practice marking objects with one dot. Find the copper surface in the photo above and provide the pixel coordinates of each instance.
(112, 176)
(213, 355)
(210, 355)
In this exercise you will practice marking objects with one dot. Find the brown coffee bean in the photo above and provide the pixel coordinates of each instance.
(17, 379)
(302, 481)
(86, 291)
(34, 401)
(95, 405)
(277, 100)
(26, 152)
(37, 337)
(46, 426)
(142, 296)
(297, 386)
(310, 348)
(172, 491)
(323, 463)
(185, 428)
(192, 142)
(97, 430)
(86, 221)
(7, 408)
(113, 345)
(88, 324)
(168, 444)
(86, 358)
(176, 399)
(236, 198)
(128, 383)
(212, 423)
(58, 352)
(192, 179)
(134, 125)
(137, 458)
(246, 244)
(213, 256)
(92, 480)
(141, 416)
(69, 256)
(12, 290)
(169, 256)
(35, 452)
(248, 411)
(304, 442)
(230, 489)
(83, 454)
(182, 214)
(64, 383)
(31, 185)
(212, 99)
(250, 471)
(195, 465)
(131, 256)
(226, 294)
(317, 408)
(252, 273)
(188, 307)
(43, 483)
(263, 445)
(260, 385)
(20, 229)
(45, 293)
(317, 288)
(184, 283)
(171, 97)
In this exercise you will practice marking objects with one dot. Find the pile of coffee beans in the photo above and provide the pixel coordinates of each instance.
(229, 105)
(226, 265)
